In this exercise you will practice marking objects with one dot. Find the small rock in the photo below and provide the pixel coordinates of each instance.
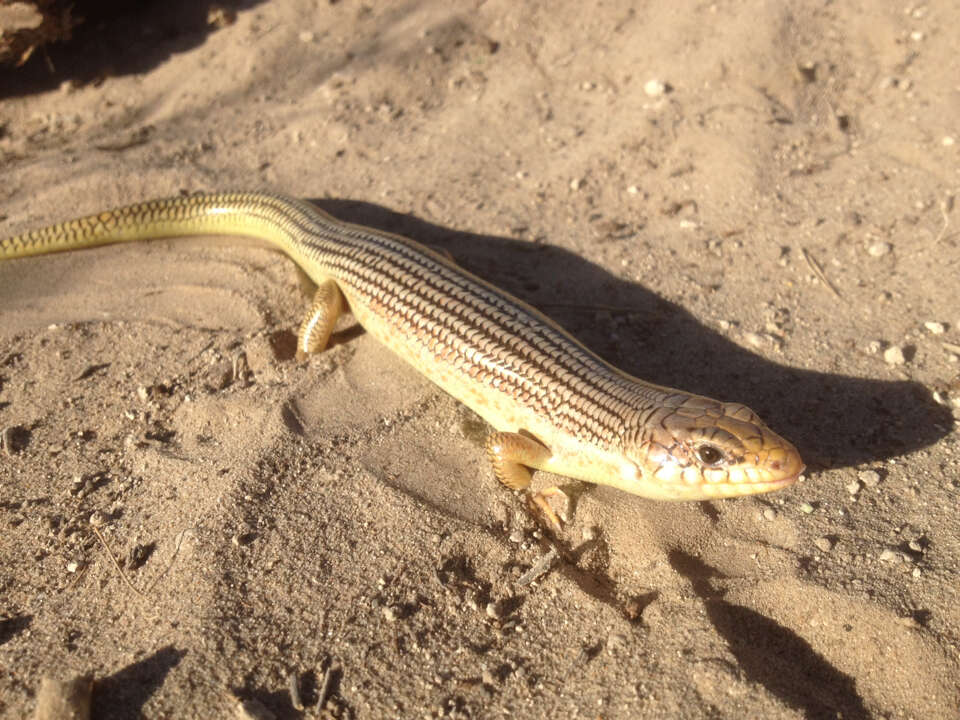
(517, 536)
(889, 556)
(824, 544)
(879, 249)
(306, 36)
(389, 614)
(947, 141)
(806, 508)
(769, 514)
(893, 355)
(654, 88)
(874, 346)
(633, 190)
(73, 566)
(870, 478)
(494, 610)
(935, 328)
(576, 184)
(854, 487)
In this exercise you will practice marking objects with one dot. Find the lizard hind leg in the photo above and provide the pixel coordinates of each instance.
(316, 327)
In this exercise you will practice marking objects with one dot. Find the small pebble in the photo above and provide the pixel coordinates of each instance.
(633, 190)
(889, 556)
(893, 355)
(389, 614)
(854, 487)
(915, 546)
(576, 184)
(874, 346)
(493, 610)
(879, 249)
(753, 338)
(306, 36)
(72, 566)
(769, 514)
(935, 328)
(870, 478)
(806, 508)
(654, 88)
(948, 141)
(824, 544)
(516, 537)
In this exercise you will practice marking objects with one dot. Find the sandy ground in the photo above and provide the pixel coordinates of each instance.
(777, 227)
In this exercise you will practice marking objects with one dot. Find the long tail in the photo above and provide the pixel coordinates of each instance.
(261, 216)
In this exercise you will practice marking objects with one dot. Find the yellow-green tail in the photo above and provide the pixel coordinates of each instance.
(245, 214)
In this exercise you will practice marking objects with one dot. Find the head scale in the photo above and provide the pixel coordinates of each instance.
(694, 448)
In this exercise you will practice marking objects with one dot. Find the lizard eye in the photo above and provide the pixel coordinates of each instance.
(708, 454)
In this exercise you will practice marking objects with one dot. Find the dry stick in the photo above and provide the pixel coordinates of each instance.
(326, 687)
(818, 271)
(123, 575)
(944, 206)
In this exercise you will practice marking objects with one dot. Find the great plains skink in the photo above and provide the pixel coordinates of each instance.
(553, 404)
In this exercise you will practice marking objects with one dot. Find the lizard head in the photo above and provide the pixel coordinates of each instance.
(694, 448)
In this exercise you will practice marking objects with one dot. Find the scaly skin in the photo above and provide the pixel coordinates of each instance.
(555, 405)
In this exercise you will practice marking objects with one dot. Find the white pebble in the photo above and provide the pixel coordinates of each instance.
(935, 328)
(576, 184)
(893, 355)
(947, 141)
(854, 487)
(874, 346)
(879, 249)
(870, 478)
(654, 88)
(824, 544)
(633, 190)
(72, 566)
(306, 36)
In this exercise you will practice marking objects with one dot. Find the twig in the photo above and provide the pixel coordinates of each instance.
(540, 567)
(945, 206)
(116, 564)
(294, 691)
(123, 575)
(326, 687)
(818, 271)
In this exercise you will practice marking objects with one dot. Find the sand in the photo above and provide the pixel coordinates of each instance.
(744, 200)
